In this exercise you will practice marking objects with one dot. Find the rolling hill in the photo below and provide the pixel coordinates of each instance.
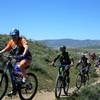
(71, 43)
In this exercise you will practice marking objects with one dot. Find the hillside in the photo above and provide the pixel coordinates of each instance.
(42, 57)
(40, 64)
(71, 43)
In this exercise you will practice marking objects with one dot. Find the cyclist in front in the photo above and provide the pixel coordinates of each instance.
(64, 60)
(20, 46)
(85, 65)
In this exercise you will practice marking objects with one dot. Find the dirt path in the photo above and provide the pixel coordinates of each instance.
(38, 96)
(49, 95)
(41, 96)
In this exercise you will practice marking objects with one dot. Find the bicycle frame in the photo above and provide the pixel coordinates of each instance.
(9, 67)
(62, 69)
(16, 80)
(62, 81)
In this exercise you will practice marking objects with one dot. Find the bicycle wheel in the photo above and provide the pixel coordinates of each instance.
(58, 87)
(79, 81)
(3, 84)
(66, 85)
(86, 79)
(28, 90)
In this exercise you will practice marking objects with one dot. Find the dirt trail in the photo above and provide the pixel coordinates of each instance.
(41, 96)
(38, 96)
(49, 95)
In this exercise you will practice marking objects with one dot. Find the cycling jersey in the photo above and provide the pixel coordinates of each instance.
(63, 58)
(20, 47)
(84, 61)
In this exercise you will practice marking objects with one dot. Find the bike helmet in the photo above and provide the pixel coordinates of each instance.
(14, 32)
(83, 57)
(63, 47)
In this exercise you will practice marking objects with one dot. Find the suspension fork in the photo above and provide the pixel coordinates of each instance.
(66, 75)
(4, 73)
(12, 78)
(2, 78)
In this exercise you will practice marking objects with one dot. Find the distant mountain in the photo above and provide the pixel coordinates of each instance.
(71, 43)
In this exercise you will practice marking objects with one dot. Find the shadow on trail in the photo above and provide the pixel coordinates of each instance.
(70, 96)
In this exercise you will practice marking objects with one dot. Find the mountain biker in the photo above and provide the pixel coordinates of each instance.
(98, 62)
(85, 65)
(21, 50)
(64, 60)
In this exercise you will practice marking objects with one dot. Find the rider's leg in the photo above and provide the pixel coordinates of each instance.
(23, 64)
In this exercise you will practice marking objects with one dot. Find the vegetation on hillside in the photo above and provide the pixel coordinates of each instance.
(42, 57)
(87, 93)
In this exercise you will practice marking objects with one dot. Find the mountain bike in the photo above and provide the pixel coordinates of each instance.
(62, 81)
(25, 90)
(82, 77)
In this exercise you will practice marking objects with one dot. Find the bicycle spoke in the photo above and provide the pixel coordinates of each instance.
(28, 90)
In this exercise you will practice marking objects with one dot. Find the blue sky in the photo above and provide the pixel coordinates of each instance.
(51, 19)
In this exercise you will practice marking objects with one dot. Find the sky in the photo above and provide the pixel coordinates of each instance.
(51, 19)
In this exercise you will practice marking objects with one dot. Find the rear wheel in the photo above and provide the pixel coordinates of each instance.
(79, 81)
(3, 84)
(28, 90)
(58, 87)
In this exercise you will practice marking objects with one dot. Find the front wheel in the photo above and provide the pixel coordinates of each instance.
(3, 84)
(28, 90)
(79, 81)
(66, 85)
(58, 87)
(86, 79)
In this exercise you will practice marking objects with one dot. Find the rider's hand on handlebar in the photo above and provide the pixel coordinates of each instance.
(52, 64)
(1, 57)
(19, 57)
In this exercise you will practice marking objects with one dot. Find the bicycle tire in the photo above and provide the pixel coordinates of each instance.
(35, 90)
(66, 86)
(5, 78)
(58, 87)
(86, 79)
(79, 81)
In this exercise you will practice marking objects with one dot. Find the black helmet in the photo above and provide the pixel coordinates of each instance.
(14, 32)
(83, 56)
(63, 47)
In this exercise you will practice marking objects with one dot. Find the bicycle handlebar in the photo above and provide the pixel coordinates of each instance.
(59, 65)
(10, 57)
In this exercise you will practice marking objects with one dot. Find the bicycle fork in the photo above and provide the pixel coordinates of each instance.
(1, 79)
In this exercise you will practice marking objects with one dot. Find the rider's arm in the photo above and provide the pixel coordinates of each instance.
(88, 61)
(53, 62)
(25, 50)
(68, 58)
(78, 63)
(89, 64)
(56, 58)
(7, 48)
(25, 45)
